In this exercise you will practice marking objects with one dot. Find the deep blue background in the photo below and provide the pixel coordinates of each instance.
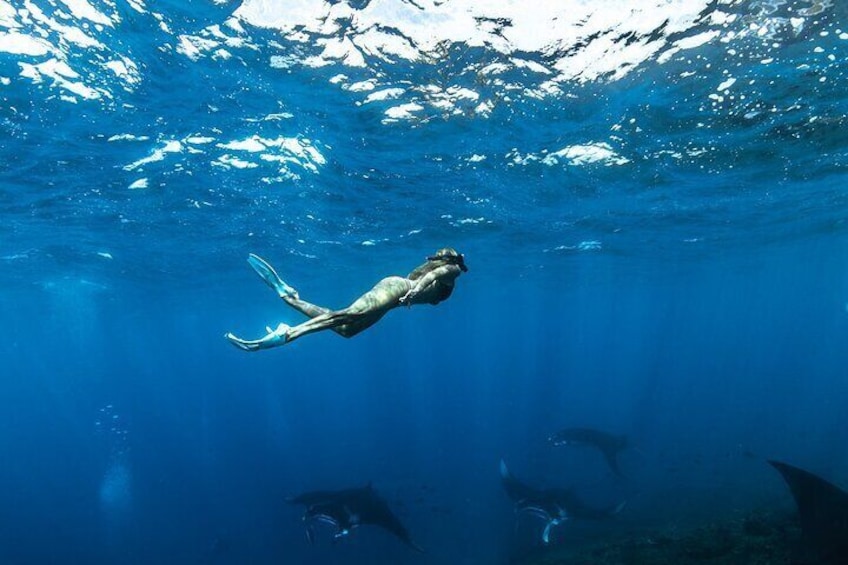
(709, 367)
(708, 323)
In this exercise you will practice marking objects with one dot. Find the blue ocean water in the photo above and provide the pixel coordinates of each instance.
(652, 207)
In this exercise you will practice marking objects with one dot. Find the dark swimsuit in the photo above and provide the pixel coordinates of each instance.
(444, 292)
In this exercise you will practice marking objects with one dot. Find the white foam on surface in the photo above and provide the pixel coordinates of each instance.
(293, 150)
(8, 15)
(193, 46)
(385, 94)
(238, 153)
(230, 161)
(399, 30)
(81, 9)
(20, 44)
(685, 43)
(726, 84)
(62, 76)
(127, 137)
(586, 154)
(404, 111)
(137, 5)
(157, 154)
(51, 36)
(362, 86)
(600, 153)
(70, 33)
(592, 245)
(124, 69)
(516, 51)
(252, 144)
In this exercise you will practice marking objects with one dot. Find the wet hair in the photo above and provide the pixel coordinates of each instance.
(444, 256)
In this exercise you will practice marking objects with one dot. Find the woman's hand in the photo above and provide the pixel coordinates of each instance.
(406, 299)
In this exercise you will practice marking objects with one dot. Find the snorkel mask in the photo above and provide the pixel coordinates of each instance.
(450, 256)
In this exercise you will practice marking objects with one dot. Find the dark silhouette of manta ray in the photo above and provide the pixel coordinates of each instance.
(349, 508)
(553, 505)
(823, 512)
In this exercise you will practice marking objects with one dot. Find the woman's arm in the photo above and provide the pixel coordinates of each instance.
(448, 272)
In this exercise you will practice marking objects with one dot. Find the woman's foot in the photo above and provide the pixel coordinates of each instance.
(274, 338)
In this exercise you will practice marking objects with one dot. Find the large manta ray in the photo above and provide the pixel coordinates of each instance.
(348, 509)
(554, 505)
(823, 512)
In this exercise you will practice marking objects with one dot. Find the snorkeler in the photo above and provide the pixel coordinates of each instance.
(429, 283)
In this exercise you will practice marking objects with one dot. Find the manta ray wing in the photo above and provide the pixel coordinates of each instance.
(823, 512)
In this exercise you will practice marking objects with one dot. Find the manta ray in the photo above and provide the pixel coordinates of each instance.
(608, 444)
(348, 509)
(554, 506)
(823, 512)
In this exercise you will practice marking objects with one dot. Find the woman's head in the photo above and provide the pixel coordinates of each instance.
(444, 256)
(449, 256)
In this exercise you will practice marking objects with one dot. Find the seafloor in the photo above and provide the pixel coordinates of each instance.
(758, 538)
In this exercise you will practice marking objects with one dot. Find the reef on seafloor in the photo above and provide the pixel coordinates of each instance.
(758, 538)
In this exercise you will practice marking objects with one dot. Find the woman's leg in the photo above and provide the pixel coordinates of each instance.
(304, 307)
(343, 322)
(284, 291)
(363, 313)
